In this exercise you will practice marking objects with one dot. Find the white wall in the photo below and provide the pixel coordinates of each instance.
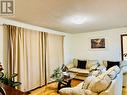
(67, 48)
(81, 47)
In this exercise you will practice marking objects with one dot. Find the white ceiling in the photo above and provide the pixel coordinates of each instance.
(55, 14)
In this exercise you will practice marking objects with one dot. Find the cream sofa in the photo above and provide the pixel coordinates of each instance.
(82, 73)
(104, 86)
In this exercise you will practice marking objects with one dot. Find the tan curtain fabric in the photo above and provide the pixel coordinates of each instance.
(26, 56)
(54, 53)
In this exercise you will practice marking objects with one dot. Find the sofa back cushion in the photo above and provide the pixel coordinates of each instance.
(100, 84)
(81, 64)
(91, 63)
(75, 62)
(87, 81)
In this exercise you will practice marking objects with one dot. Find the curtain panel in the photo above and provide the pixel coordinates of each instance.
(26, 56)
(33, 55)
(54, 53)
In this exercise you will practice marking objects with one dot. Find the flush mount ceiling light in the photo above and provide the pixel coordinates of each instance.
(77, 19)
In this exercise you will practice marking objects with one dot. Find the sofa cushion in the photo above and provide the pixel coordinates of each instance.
(91, 63)
(112, 63)
(104, 63)
(81, 64)
(78, 70)
(100, 84)
(99, 70)
(87, 81)
(75, 62)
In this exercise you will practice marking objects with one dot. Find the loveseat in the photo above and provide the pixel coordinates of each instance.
(82, 71)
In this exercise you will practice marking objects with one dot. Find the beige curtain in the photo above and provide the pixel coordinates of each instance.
(54, 53)
(26, 56)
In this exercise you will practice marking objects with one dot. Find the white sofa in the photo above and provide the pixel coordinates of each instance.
(82, 73)
(115, 88)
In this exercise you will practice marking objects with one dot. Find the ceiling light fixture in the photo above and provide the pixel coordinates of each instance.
(77, 19)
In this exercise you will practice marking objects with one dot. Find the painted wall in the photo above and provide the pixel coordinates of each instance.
(81, 45)
(67, 48)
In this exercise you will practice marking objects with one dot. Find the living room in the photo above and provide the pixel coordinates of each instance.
(70, 30)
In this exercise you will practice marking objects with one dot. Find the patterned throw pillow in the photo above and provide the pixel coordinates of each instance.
(100, 84)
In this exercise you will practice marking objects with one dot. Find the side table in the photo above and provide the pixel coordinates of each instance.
(66, 80)
(64, 83)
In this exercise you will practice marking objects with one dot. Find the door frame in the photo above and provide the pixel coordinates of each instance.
(122, 45)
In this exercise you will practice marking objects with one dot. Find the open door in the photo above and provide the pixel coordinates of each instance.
(124, 46)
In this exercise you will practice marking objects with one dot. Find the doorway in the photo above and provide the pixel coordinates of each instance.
(124, 46)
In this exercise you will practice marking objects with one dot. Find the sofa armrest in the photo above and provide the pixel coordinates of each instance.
(93, 67)
(70, 65)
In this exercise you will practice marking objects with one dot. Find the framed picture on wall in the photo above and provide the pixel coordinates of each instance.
(98, 43)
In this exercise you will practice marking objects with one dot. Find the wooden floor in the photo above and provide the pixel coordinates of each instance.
(124, 91)
(51, 89)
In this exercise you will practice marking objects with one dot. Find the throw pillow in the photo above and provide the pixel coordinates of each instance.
(111, 64)
(113, 72)
(100, 84)
(81, 64)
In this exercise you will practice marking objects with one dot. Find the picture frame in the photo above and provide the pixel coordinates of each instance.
(98, 43)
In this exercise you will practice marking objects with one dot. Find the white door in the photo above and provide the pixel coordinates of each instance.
(124, 47)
